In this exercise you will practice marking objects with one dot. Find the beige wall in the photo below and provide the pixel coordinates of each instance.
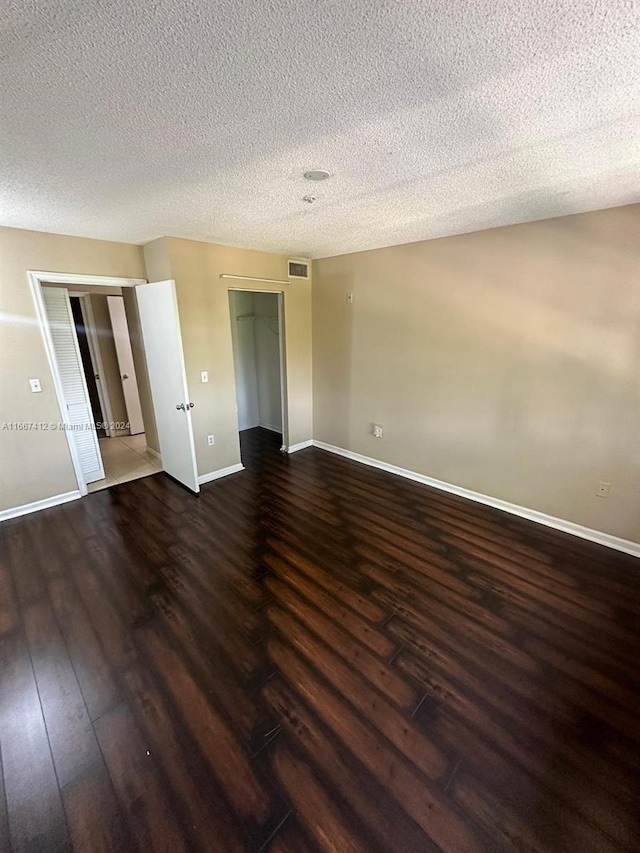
(203, 303)
(35, 465)
(504, 361)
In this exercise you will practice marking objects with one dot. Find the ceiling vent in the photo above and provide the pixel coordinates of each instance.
(298, 269)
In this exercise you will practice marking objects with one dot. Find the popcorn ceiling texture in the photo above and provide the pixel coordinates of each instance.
(128, 121)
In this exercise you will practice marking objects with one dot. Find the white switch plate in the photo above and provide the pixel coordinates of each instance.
(211, 440)
(204, 376)
(349, 298)
(603, 490)
(35, 385)
(378, 431)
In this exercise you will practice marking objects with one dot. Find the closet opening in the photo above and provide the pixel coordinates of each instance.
(258, 355)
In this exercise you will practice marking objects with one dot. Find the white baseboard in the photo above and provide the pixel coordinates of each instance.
(221, 472)
(300, 446)
(153, 452)
(625, 545)
(25, 509)
(271, 428)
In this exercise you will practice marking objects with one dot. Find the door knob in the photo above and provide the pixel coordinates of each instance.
(181, 406)
(190, 405)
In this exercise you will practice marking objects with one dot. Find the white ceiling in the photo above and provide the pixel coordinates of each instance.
(132, 120)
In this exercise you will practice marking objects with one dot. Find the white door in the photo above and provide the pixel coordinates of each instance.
(74, 385)
(160, 325)
(122, 343)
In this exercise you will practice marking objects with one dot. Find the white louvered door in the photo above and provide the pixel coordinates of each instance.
(74, 386)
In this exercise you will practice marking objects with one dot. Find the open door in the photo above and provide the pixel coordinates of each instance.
(127, 370)
(158, 309)
(79, 416)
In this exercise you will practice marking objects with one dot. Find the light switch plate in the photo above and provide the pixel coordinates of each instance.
(204, 376)
(35, 386)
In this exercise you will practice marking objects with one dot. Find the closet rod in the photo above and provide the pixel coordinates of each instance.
(253, 278)
(257, 317)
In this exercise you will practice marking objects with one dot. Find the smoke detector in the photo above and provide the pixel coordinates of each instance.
(316, 175)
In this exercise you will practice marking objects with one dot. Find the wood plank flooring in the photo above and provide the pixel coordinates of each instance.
(313, 656)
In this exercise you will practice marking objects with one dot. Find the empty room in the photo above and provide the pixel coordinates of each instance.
(320, 427)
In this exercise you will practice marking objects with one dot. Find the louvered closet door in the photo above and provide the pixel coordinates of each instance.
(74, 386)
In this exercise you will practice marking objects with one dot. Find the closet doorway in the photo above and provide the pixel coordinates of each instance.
(258, 354)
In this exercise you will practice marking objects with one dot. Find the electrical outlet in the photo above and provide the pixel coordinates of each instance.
(204, 376)
(349, 298)
(603, 490)
(378, 431)
(35, 386)
(211, 440)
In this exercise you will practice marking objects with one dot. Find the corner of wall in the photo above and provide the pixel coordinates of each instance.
(156, 259)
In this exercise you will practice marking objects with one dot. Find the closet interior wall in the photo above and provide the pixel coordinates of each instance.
(256, 350)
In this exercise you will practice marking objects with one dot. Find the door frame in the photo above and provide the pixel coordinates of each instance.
(284, 398)
(38, 279)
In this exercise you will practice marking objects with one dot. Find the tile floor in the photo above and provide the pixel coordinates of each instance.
(125, 458)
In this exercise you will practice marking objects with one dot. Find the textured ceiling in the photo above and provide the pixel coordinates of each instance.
(128, 121)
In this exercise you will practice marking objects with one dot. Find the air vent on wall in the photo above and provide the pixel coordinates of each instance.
(298, 269)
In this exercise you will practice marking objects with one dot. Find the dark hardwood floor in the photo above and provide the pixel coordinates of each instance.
(313, 656)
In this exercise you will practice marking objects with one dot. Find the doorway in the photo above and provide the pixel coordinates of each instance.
(258, 354)
(152, 312)
(99, 322)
